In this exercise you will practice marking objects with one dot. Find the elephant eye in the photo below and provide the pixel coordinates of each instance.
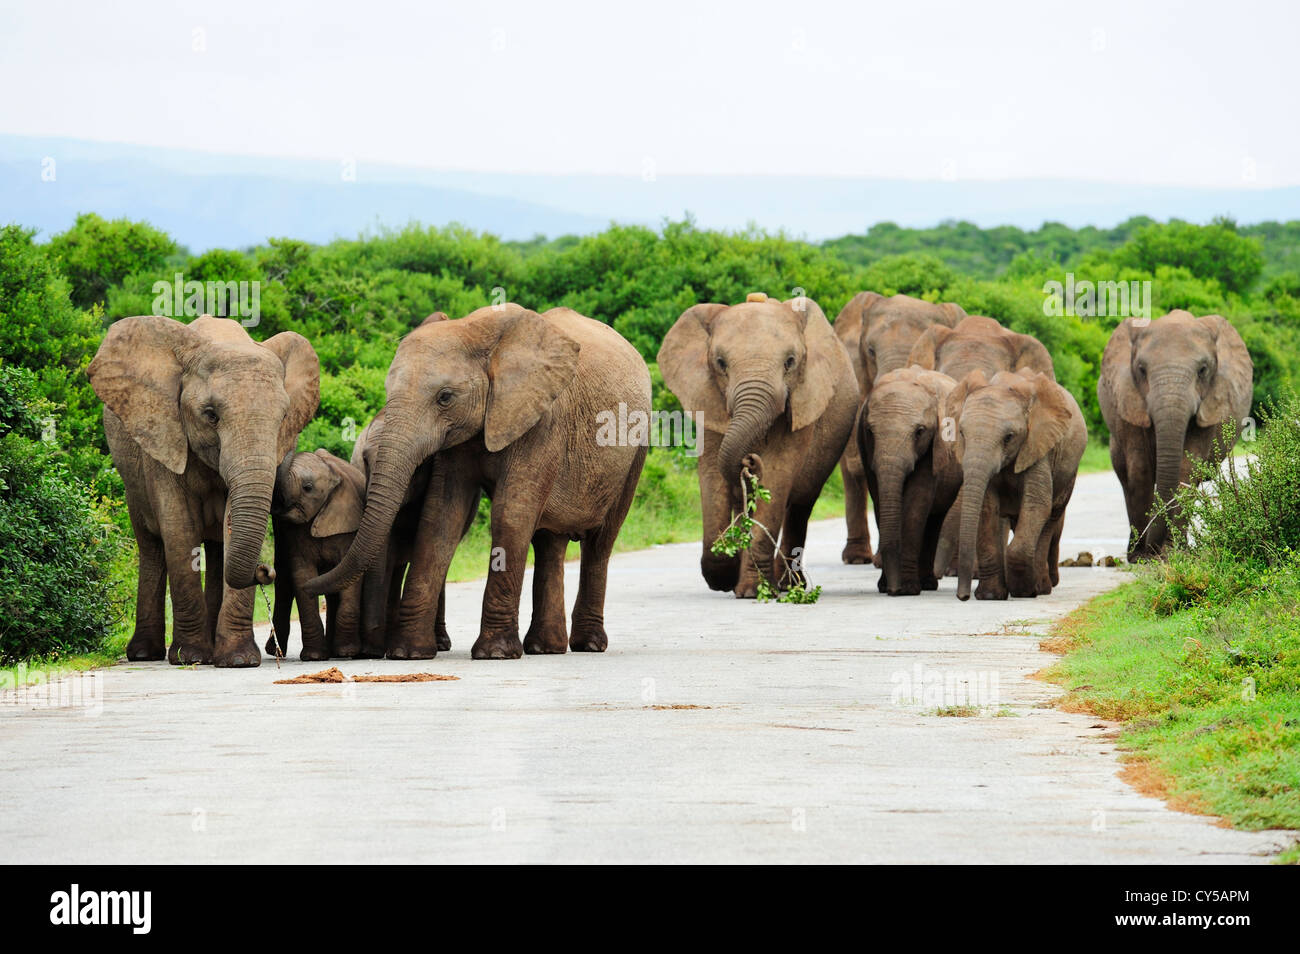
(722, 364)
(1142, 368)
(210, 415)
(1203, 370)
(871, 352)
(1008, 438)
(308, 486)
(446, 396)
(920, 429)
(789, 363)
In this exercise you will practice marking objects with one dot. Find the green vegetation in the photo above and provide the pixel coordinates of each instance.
(355, 298)
(1199, 657)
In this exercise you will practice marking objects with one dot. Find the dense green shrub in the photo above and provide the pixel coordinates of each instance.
(95, 254)
(60, 552)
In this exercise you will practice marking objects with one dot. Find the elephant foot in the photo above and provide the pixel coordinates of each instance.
(906, 588)
(882, 585)
(148, 648)
(270, 647)
(543, 640)
(589, 638)
(401, 650)
(504, 645)
(314, 654)
(988, 591)
(347, 651)
(372, 645)
(443, 639)
(929, 583)
(857, 552)
(190, 654)
(243, 655)
(721, 573)
(746, 591)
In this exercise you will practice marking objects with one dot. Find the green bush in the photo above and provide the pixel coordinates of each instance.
(95, 254)
(61, 555)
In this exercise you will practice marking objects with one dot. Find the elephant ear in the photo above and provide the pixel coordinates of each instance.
(1117, 376)
(137, 374)
(343, 509)
(926, 350)
(953, 313)
(951, 409)
(1030, 355)
(301, 381)
(532, 361)
(825, 365)
(1230, 397)
(684, 364)
(1049, 419)
(849, 325)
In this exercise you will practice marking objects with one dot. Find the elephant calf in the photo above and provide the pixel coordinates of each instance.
(1019, 440)
(1166, 389)
(777, 393)
(315, 512)
(911, 470)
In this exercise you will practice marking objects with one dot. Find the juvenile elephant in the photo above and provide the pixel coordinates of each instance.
(878, 333)
(198, 416)
(776, 389)
(913, 474)
(509, 402)
(1166, 389)
(977, 343)
(1019, 440)
(315, 513)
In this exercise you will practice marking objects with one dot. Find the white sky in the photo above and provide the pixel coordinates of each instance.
(1170, 93)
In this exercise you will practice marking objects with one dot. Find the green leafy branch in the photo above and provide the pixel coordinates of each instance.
(739, 534)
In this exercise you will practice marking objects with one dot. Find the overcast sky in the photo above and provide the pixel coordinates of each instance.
(1170, 93)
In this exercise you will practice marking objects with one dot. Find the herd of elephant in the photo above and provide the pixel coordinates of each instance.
(952, 424)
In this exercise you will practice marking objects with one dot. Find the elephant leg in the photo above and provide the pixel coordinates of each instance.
(757, 563)
(1137, 475)
(149, 640)
(1044, 563)
(857, 549)
(331, 623)
(991, 547)
(720, 572)
(190, 645)
(449, 504)
(548, 633)
(918, 494)
(1027, 556)
(213, 558)
(235, 647)
(345, 638)
(315, 645)
(514, 520)
(794, 536)
(588, 632)
(945, 551)
(929, 545)
(282, 614)
(440, 633)
(1054, 552)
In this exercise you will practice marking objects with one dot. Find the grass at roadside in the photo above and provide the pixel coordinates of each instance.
(1204, 681)
(1096, 457)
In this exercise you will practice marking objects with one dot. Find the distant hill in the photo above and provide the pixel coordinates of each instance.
(208, 200)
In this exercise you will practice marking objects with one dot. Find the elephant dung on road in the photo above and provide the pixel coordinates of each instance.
(315, 512)
(508, 402)
(1166, 389)
(198, 417)
(913, 474)
(1019, 440)
(776, 389)
(878, 333)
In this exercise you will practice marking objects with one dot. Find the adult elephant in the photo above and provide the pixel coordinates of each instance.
(1166, 389)
(509, 402)
(777, 394)
(913, 474)
(977, 343)
(878, 333)
(1019, 440)
(198, 416)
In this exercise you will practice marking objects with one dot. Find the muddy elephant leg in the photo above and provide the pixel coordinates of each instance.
(514, 520)
(149, 640)
(918, 495)
(857, 549)
(1054, 551)
(757, 561)
(991, 547)
(794, 536)
(945, 551)
(449, 504)
(1137, 475)
(345, 639)
(235, 647)
(1026, 560)
(548, 633)
(720, 572)
(315, 646)
(1044, 561)
(588, 631)
(181, 543)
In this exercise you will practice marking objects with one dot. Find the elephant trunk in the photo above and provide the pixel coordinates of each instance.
(752, 413)
(248, 506)
(891, 359)
(889, 481)
(1171, 411)
(978, 472)
(399, 453)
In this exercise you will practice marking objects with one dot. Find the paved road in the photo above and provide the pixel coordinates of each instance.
(782, 733)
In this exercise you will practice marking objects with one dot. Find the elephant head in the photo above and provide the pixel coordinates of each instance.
(1009, 423)
(206, 389)
(493, 374)
(979, 343)
(1172, 374)
(899, 424)
(321, 490)
(890, 326)
(744, 366)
